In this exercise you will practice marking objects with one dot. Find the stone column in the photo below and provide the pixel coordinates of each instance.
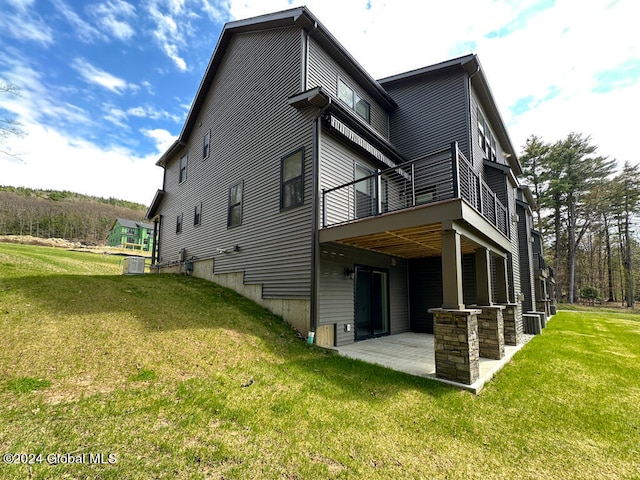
(512, 328)
(491, 332)
(451, 271)
(456, 344)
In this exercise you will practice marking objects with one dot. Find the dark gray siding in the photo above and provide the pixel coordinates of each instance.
(324, 72)
(252, 127)
(425, 284)
(469, 295)
(526, 272)
(478, 153)
(336, 301)
(431, 113)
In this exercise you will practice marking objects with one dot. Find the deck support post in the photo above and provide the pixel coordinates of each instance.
(452, 297)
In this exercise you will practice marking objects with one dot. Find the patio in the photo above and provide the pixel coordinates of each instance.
(413, 353)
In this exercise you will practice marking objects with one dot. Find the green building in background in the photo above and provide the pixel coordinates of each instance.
(130, 234)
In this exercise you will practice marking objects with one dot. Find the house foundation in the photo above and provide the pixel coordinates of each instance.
(456, 346)
(491, 332)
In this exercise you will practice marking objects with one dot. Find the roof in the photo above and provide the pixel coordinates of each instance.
(133, 223)
(304, 19)
(470, 64)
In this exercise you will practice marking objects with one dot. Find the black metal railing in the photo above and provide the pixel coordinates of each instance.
(441, 175)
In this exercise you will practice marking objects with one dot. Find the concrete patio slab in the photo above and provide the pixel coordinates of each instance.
(413, 353)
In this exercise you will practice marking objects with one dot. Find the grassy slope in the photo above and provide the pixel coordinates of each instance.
(180, 378)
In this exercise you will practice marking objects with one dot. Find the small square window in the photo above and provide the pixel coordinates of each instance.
(234, 216)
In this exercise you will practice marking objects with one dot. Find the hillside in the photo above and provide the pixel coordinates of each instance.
(62, 214)
(169, 376)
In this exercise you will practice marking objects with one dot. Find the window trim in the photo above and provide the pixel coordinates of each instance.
(299, 178)
(239, 204)
(355, 99)
(182, 168)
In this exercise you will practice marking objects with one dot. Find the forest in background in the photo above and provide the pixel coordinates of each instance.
(588, 211)
(62, 214)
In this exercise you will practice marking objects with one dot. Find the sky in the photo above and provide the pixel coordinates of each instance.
(105, 85)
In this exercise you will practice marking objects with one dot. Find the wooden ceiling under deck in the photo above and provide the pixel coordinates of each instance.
(413, 242)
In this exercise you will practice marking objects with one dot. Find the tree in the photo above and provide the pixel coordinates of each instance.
(536, 171)
(9, 127)
(564, 174)
(627, 192)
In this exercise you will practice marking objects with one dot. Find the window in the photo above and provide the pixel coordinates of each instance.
(485, 138)
(197, 214)
(234, 216)
(354, 101)
(179, 224)
(292, 180)
(183, 168)
(206, 141)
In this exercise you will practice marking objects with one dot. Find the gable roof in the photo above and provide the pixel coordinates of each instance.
(131, 224)
(304, 19)
(471, 65)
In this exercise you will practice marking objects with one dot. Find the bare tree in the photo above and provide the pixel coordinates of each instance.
(9, 127)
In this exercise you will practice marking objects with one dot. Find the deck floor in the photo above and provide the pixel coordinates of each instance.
(413, 353)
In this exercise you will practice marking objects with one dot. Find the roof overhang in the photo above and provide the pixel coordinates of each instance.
(471, 65)
(155, 205)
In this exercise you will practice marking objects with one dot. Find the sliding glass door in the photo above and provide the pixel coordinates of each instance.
(371, 302)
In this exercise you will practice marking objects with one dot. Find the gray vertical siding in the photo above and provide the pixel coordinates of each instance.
(336, 300)
(431, 113)
(324, 72)
(252, 127)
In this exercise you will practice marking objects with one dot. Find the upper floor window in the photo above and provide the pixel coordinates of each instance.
(292, 180)
(485, 138)
(206, 141)
(349, 96)
(183, 168)
(234, 215)
(197, 214)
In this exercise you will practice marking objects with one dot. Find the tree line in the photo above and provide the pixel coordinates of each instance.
(62, 214)
(587, 209)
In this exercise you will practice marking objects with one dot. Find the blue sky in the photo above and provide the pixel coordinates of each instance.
(106, 84)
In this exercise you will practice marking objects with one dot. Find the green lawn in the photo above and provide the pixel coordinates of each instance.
(175, 377)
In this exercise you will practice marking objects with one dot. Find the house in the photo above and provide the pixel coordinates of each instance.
(130, 234)
(350, 206)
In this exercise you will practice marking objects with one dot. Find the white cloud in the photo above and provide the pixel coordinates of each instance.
(114, 17)
(54, 160)
(26, 25)
(86, 31)
(96, 76)
(167, 33)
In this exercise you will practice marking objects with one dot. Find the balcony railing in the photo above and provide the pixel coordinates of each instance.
(439, 176)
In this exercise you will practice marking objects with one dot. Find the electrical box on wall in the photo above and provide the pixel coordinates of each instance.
(347, 327)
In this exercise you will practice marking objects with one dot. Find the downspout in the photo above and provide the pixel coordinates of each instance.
(315, 250)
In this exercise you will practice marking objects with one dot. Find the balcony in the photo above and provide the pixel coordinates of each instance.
(433, 179)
